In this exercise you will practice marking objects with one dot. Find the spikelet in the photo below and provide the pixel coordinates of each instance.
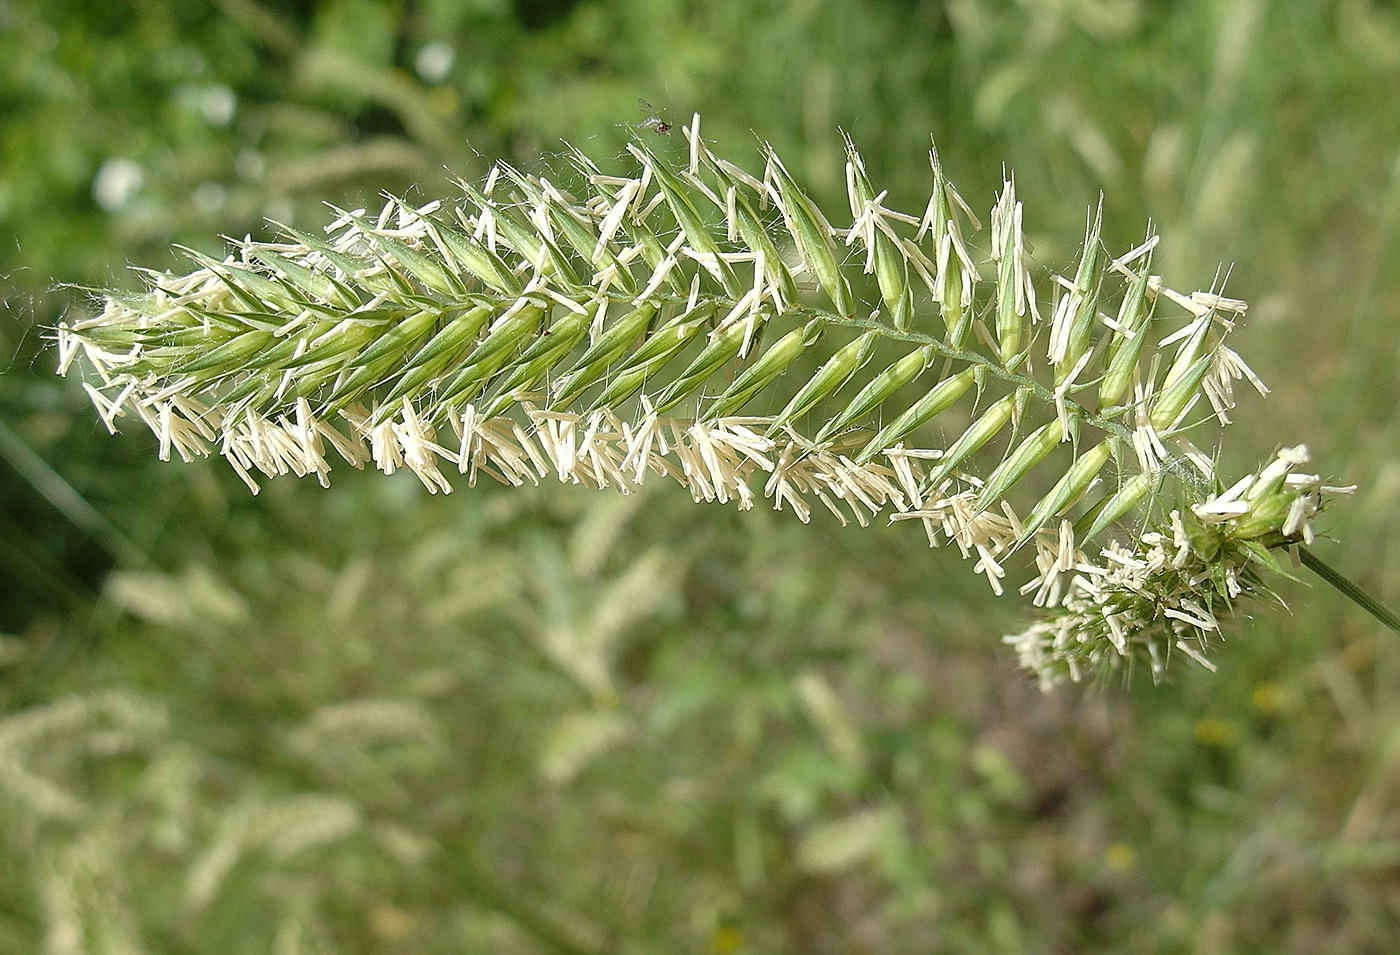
(713, 327)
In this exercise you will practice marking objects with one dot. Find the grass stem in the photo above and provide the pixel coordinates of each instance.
(1349, 590)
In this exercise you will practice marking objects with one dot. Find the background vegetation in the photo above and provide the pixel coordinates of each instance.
(531, 721)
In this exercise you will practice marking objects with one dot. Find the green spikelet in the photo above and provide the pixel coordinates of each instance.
(617, 326)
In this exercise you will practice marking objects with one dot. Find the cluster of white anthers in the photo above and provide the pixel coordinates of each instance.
(1160, 595)
(729, 459)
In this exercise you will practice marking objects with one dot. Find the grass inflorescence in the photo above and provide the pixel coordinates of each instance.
(700, 322)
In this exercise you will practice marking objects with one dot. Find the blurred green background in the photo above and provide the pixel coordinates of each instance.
(368, 720)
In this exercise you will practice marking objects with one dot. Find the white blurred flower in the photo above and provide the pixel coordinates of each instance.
(117, 182)
(434, 61)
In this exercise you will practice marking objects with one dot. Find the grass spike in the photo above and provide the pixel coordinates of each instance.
(615, 323)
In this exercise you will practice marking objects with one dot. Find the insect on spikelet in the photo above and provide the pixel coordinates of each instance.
(654, 123)
(703, 323)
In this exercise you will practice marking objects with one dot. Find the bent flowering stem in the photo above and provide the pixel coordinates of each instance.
(709, 325)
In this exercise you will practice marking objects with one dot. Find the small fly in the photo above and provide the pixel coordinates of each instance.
(653, 122)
